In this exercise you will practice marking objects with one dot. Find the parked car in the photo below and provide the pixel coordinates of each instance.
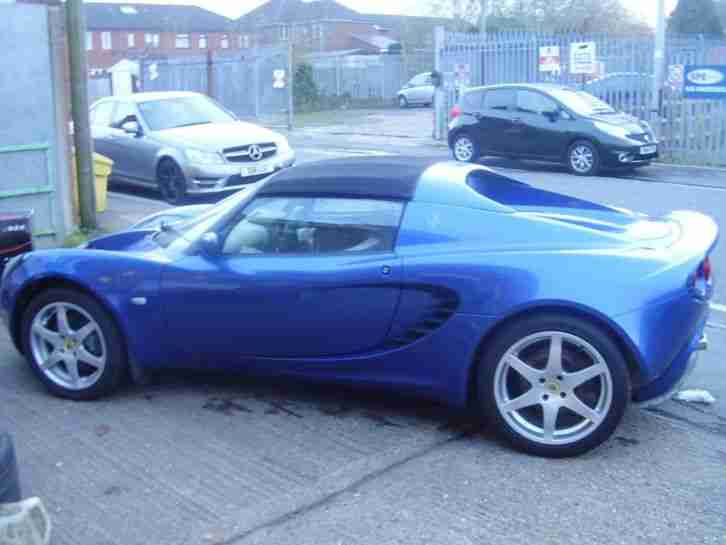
(418, 91)
(184, 144)
(546, 313)
(549, 123)
(16, 235)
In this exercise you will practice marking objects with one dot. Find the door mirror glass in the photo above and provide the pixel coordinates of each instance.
(552, 115)
(210, 244)
(131, 127)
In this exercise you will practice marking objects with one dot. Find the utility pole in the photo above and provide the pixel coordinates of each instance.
(659, 59)
(79, 111)
(439, 96)
(291, 86)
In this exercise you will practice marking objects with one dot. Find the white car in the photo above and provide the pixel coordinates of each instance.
(418, 91)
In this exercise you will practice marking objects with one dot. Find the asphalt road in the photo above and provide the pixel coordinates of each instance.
(200, 459)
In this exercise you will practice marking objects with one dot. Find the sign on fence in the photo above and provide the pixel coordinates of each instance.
(583, 58)
(549, 58)
(463, 74)
(279, 79)
(705, 82)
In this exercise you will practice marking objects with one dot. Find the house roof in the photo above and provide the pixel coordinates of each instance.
(154, 17)
(300, 11)
(382, 43)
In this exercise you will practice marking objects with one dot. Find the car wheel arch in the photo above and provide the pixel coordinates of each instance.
(40, 285)
(577, 138)
(619, 337)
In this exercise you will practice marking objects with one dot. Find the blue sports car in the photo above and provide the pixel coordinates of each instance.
(546, 314)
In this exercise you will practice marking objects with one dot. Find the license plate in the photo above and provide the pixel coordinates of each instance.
(648, 150)
(257, 170)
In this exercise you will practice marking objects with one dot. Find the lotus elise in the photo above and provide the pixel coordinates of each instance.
(547, 314)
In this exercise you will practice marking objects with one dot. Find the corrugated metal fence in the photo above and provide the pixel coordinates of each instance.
(692, 131)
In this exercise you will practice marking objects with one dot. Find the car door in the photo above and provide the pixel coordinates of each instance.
(539, 129)
(295, 277)
(494, 121)
(135, 153)
(100, 118)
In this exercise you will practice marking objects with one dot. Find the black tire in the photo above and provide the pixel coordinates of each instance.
(469, 142)
(402, 102)
(116, 368)
(585, 168)
(171, 182)
(9, 480)
(525, 328)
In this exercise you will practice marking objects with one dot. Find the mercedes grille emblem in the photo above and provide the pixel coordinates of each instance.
(255, 152)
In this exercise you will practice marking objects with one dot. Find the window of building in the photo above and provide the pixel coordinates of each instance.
(151, 40)
(224, 43)
(89, 41)
(183, 41)
(131, 39)
(106, 40)
(203, 41)
(289, 225)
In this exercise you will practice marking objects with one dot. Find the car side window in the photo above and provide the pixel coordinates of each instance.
(420, 80)
(530, 102)
(473, 101)
(124, 112)
(314, 226)
(498, 99)
(102, 113)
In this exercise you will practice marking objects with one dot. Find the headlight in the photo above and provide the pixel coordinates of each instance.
(283, 146)
(204, 157)
(613, 130)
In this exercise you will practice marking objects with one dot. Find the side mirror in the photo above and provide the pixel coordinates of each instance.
(553, 115)
(132, 127)
(210, 244)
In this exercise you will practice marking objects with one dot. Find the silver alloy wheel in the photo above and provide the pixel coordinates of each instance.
(534, 413)
(464, 149)
(582, 159)
(402, 102)
(68, 346)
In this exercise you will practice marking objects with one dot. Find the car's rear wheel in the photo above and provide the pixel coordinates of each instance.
(554, 386)
(73, 345)
(583, 158)
(402, 102)
(465, 148)
(172, 183)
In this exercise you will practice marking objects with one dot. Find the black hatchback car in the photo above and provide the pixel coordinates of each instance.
(548, 123)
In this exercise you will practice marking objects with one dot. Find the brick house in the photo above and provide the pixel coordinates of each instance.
(132, 31)
(326, 25)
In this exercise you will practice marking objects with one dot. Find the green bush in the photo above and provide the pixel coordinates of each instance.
(305, 90)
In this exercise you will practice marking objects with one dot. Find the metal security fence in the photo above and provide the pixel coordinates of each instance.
(369, 78)
(243, 83)
(691, 131)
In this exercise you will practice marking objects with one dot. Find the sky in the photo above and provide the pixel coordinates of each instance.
(235, 8)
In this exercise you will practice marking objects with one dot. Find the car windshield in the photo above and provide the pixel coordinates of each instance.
(172, 113)
(186, 233)
(581, 102)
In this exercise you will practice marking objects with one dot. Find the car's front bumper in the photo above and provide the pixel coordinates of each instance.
(204, 179)
(631, 155)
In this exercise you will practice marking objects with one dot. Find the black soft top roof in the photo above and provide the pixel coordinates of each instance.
(373, 177)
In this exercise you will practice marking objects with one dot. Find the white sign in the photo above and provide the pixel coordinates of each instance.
(153, 71)
(549, 58)
(675, 76)
(583, 57)
(279, 76)
(462, 73)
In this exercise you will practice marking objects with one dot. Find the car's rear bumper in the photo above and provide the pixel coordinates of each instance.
(672, 381)
(216, 179)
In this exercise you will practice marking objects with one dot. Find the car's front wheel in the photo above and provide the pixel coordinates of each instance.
(73, 345)
(583, 159)
(553, 385)
(402, 102)
(465, 148)
(172, 183)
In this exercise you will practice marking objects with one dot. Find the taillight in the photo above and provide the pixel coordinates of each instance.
(455, 112)
(705, 270)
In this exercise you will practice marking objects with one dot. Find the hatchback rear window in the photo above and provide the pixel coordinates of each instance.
(498, 99)
(473, 101)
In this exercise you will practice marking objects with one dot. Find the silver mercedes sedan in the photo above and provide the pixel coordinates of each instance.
(184, 144)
